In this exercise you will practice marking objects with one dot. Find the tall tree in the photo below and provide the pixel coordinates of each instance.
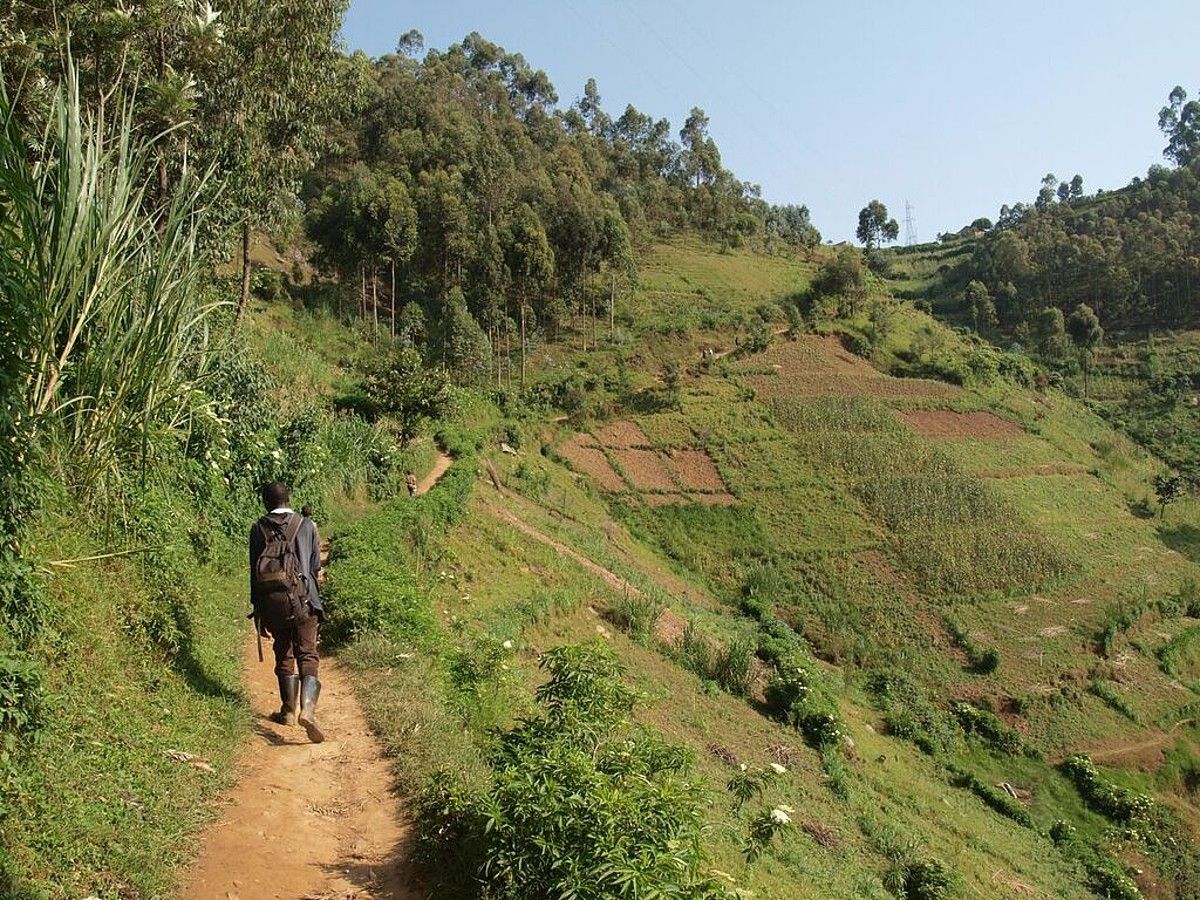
(874, 226)
(267, 104)
(982, 306)
(1084, 328)
(1179, 121)
(531, 262)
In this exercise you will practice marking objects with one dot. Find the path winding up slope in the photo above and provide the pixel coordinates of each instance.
(309, 821)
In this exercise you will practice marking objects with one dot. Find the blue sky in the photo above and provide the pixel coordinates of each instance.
(956, 107)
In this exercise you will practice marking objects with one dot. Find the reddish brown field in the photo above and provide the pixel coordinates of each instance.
(622, 434)
(945, 423)
(819, 366)
(592, 462)
(645, 469)
(695, 470)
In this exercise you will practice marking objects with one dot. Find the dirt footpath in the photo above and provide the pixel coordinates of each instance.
(307, 821)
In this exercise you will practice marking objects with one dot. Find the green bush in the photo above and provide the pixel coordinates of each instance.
(733, 667)
(997, 799)
(796, 696)
(908, 713)
(580, 804)
(637, 614)
(1119, 804)
(987, 726)
(23, 708)
(1113, 700)
(924, 878)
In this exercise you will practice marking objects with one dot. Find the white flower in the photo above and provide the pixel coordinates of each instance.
(743, 767)
(779, 817)
(778, 769)
(507, 645)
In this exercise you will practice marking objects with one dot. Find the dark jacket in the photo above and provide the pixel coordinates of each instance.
(308, 552)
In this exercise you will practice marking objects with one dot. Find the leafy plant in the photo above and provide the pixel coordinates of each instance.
(579, 804)
(115, 327)
(922, 878)
(637, 614)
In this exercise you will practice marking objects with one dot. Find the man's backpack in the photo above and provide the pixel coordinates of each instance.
(280, 589)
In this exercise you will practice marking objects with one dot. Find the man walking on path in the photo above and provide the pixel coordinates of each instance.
(285, 575)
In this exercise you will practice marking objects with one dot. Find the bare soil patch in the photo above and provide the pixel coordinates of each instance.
(593, 462)
(696, 470)
(622, 434)
(645, 469)
(946, 423)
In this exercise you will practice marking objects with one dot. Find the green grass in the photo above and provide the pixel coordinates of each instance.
(102, 809)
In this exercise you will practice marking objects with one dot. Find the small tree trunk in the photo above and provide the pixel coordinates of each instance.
(374, 308)
(612, 309)
(244, 297)
(393, 299)
(522, 344)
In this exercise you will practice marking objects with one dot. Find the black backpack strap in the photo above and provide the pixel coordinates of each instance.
(293, 527)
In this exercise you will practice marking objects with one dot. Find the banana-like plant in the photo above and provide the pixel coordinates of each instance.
(103, 282)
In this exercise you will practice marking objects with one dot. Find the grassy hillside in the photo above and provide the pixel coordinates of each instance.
(916, 598)
(960, 575)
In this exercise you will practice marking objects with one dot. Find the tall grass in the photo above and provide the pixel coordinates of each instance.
(103, 279)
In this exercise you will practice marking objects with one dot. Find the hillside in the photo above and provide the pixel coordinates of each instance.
(957, 569)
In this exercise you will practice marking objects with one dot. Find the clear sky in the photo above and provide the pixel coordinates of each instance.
(956, 107)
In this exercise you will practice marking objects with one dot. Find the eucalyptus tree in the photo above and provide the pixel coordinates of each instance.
(874, 226)
(1179, 122)
(531, 263)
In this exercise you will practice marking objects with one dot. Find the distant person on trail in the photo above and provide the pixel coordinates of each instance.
(411, 480)
(285, 574)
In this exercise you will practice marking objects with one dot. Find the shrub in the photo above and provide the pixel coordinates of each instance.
(1117, 803)
(22, 715)
(733, 667)
(924, 878)
(987, 727)
(796, 697)
(637, 614)
(909, 714)
(1113, 700)
(580, 805)
(997, 799)
(980, 660)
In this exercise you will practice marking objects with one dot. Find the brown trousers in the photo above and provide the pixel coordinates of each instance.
(297, 644)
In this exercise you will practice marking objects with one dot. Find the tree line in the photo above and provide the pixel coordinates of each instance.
(1130, 255)
(473, 212)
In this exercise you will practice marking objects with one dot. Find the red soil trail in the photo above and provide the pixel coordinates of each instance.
(309, 821)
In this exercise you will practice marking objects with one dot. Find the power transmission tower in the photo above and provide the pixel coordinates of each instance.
(910, 225)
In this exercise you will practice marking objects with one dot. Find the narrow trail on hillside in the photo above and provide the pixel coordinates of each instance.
(440, 467)
(1147, 752)
(670, 625)
(309, 821)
